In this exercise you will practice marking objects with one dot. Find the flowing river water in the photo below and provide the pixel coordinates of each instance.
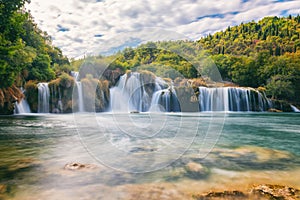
(144, 155)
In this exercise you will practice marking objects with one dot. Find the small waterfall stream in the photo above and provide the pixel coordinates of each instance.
(294, 108)
(22, 107)
(165, 101)
(80, 100)
(43, 98)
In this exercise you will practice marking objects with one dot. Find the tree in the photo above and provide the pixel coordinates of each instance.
(279, 87)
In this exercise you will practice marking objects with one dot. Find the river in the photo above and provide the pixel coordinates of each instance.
(145, 155)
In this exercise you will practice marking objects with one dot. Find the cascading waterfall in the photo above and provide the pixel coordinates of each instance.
(294, 108)
(43, 98)
(165, 100)
(80, 100)
(130, 94)
(232, 99)
(22, 107)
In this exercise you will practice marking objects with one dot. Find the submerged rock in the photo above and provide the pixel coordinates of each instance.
(262, 192)
(223, 195)
(79, 166)
(24, 163)
(3, 189)
(196, 170)
(134, 111)
(142, 149)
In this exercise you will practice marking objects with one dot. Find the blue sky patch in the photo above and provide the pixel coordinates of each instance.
(60, 28)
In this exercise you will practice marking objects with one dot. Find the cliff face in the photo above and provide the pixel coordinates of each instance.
(8, 96)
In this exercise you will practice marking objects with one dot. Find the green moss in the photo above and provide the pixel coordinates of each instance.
(31, 93)
(95, 94)
(61, 91)
(281, 105)
(188, 98)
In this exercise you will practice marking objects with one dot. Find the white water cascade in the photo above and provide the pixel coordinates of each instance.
(232, 99)
(294, 108)
(130, 94)
(80, 100)
(22, 107)
(43, 98)
(165, 100)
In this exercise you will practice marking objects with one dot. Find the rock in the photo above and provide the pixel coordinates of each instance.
(274, 110)
(223, 195)
(134, 111)
(142, 149)
(257, 154)
(55, 110)
(196, 170)
(78, 166)
(175, 174)
(3, 189)
(24, 163)
(262, 192)
(276, 192)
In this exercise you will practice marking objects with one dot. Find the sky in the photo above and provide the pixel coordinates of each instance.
(92, 27)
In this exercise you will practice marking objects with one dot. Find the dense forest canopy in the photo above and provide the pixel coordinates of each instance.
(255, 54)
(26, 52)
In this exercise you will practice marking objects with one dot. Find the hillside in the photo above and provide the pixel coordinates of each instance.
(262, 54)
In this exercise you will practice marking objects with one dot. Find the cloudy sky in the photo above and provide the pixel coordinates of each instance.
(81, 27)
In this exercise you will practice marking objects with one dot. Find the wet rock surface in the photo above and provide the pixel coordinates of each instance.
(196, 170)
(260, 192)
(276, 192)
(79, 166)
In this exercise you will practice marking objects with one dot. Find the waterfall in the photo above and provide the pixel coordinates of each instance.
(75, 75)
(80, 96)
(294, 108)
(129, 94)
(22, 107)
(165, 100)
(43, 98)
(133, 94)
(232, 99)
(80, 100)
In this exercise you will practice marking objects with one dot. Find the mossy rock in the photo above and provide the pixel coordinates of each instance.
(31, 93)
(281, 105)
(8, 97)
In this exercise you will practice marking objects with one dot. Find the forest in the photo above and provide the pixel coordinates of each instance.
(263, 54)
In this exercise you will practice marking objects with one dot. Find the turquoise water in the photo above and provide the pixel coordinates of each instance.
(126, 154)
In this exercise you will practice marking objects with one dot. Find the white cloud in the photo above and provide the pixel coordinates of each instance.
(122, 22)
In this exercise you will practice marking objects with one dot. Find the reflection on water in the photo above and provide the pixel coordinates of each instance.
(254, 148)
